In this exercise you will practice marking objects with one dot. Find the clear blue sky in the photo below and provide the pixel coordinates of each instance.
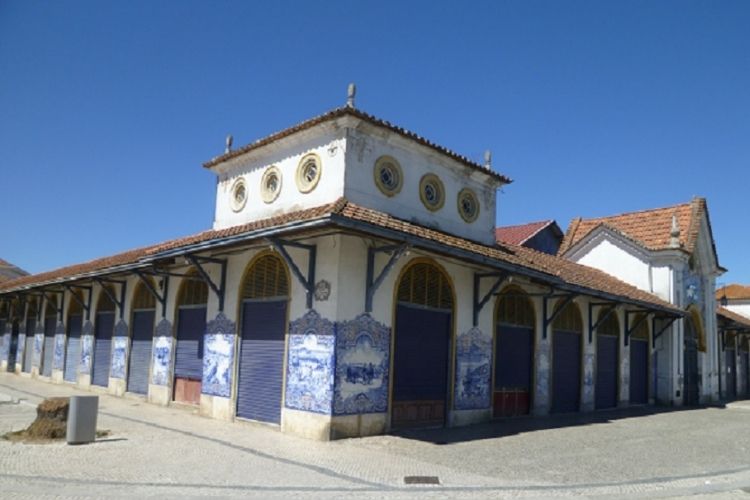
(107, 110)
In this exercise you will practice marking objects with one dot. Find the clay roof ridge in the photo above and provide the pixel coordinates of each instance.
(345, 110)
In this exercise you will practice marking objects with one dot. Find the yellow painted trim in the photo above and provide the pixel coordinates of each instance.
(379, 183)
(473, 195)
(303, 186)
(697, 318)
(452, 348)
(441, 192)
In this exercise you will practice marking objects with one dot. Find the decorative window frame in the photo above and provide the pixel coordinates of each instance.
(266, 194)
(237, 206)
(390, 192)
(470, 193)
(302, 184)
(440, 188)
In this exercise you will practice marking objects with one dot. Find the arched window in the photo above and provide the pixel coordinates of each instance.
(105, 303)
(143, 299)
(610, 326)
(193, 291)
(426, 285)
(515, 308)
(267, 277)
(569, 319)
(641, 332)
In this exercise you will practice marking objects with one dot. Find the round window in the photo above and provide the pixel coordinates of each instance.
(270, 184)
(388, 175)
(239, 195)
(468, 205)
(308, 173)
(431, 192)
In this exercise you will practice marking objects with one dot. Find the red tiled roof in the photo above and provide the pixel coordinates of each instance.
(344, 111)
(733, 316)
(557, 268)
(649, 228)
(519, 234)
(733, 291)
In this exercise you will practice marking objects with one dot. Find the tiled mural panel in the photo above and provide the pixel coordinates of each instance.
(310, 362)
(473, 376)
(218, 357)
(162, 356)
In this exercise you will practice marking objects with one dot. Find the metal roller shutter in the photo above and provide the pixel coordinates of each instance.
(566, 371)
(514, 354)
(191, 326)
(606, 371)
(73, 352)
(638, 371)
(261, 370)
(420, 370)
(690, 364)
(13, 350)
(50, 322)
(140, 351)
(731, 365)
(746, 373)
(105, 323)
(28, 350)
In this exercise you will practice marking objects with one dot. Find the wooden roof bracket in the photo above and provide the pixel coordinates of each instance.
(120, 303)
(547, 320)
(163, 286)
(220, 288)
(85, 304)
(656, 333)
(480, 303)
(307, 283)
(372, 283)
(629, 329)
(611, 306)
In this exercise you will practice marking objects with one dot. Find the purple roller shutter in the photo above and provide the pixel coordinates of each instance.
(105, 323)
(261, 369)
(606, 371)
(566, 371)
(191, 326)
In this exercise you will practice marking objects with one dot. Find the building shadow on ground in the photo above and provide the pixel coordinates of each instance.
(503, 427)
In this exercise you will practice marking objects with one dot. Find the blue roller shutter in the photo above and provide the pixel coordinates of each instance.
(566, 371)
(606, 371)
(13, 350)
(746, 373)
(731, 364)
(514, 355)
(261, 369)
(140, 351)
(690, 376)
(191, 326)
(28, 350)
(420, 370)
(105, 324)
(73, 352)
(638, 371)
(50, 323)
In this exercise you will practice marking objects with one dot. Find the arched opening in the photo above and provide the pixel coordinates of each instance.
(567, 335)
(422, 339)
(515, 322)
(30, 329)
(691, 370)
(730, 356)
(104, 325)
(15, 327)
(264, 294)
(607, 360)
(50, 325)
(192, 301)
(639, 363)
(142, 320)
(74, 326)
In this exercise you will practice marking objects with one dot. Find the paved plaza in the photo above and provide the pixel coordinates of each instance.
(172, 452)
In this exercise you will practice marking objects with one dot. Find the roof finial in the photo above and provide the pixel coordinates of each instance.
(488, 158)
(228, 144)
(350, 93)
(674, 234)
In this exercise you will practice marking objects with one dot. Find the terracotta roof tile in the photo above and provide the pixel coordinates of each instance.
(520, 233)
(650, 228)
(733, 316)
(562, 269)
(733, 291)
(343, 111)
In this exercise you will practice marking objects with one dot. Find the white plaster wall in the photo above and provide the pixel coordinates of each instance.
(618, 262)
(363, 150)
(328, 145)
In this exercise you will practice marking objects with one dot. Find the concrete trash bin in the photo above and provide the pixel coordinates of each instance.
(82, 419)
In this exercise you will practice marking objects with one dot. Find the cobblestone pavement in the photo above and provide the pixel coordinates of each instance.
(174, 453)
